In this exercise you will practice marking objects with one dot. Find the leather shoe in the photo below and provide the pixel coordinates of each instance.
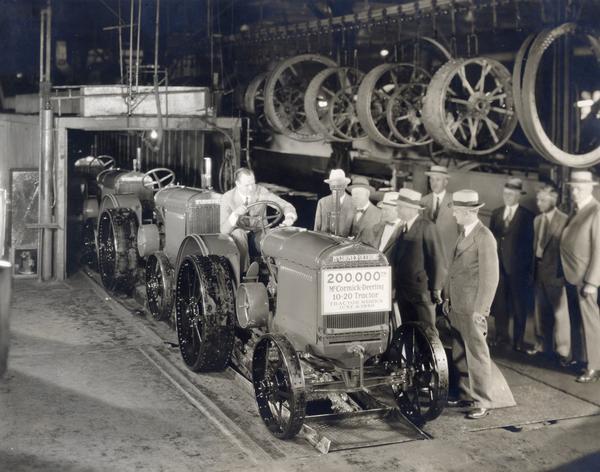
(534, 351)
(565, 362)
(478, 413)
(590, 375)
(459, 403)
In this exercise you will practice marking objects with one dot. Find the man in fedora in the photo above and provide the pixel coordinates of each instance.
(325, 216)
(438, 207)
(580, 255)
(384, 233)
(469, 293)
(366, 214)
(512, 226)
(551, 311)
(418, 261)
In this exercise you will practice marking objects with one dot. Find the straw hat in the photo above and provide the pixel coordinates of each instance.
(410, 198)
(389, 199)
(582, 177)
(438, 170)
(337, 176)
(466, 199)
(361, 182)
(514, 183)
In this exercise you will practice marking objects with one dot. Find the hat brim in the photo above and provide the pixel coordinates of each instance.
(368, 187)
(409, 205)
(345, 180)
(580, 182)
(430, 173)
(467, 207)
(381, 204)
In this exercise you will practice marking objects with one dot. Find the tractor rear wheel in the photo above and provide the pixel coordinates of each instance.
(417, 349)
(159, 286)
(205, 312)
(89, 254)
(117, 249)
(279, 385)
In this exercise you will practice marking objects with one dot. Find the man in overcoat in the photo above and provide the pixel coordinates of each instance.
(469, 292)
(365, 213)
(384, 233)
(326, 206)
(580, 255)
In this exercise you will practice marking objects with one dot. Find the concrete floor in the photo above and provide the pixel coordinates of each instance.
(93, 387)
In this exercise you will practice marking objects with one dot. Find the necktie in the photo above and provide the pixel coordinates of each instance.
(246, 200)
(508, 217)
(436, 209)
(461, 236)
(539, 252)
(359, 214)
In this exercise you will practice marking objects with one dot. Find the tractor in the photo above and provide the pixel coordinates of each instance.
(126, 210)
(308, 321)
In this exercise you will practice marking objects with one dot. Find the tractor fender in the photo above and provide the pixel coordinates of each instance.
(210, 244)
(122, 201)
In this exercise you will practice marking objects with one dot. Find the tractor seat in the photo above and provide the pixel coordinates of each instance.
(251, 274)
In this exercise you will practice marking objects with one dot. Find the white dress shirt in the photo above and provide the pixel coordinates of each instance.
(585, 202)
(388, 230)
(509, 212)
(410, 222)
(468, 228)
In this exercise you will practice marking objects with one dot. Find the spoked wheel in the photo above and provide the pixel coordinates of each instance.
(254, 100)
(279, 385)
(117, 249)
(89, 254)
(417, 349)
(205, 311)
(159, 286)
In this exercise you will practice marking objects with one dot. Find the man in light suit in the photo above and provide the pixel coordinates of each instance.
(366, 214)
(438, 207)
(552, 325)
(469, 292)
(580, 255)
(324, 220)
(234, 204)
(512, 226)
(418, 262)
(383, 234)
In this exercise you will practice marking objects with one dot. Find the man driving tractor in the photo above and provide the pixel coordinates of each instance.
(244, 213)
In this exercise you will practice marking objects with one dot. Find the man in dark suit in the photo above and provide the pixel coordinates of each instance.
(552, 325)
(366, 214)
(418, 262)
(580, 255)
(324, 216)
(383, 234)
(469, 292)
(438, 207)
(512, 226)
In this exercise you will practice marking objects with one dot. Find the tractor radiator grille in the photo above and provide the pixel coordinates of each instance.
(355, 320)
(204, 218)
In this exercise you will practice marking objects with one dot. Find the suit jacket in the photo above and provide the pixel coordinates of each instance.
(326, 206)
(372, 237)
(445, 222)
(549, 269)
(370, 217)
(515, 243)
(474, 273)
(232, 200)
(418, 261)
(580, 246)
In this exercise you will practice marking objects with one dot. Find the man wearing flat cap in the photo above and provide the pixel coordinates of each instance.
(366, 214)
(325, 216)
(580, 255)
(418, 261)
(438, 207)
(384, 233)
(512, 226)
(469, 292)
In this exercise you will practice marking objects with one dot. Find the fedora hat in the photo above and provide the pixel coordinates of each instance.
(337, 176)
(361, 182)
(438, 170)
(389, 199)
(410, 198)
(582, 177)
(514, 183)
(466, 199)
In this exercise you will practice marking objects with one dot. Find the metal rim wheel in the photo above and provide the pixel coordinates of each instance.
(205, 312)
(89, 254)
(284, 95)
(404, 115)
(330, 103)
(379, 91)
(159, 286)
(418, 349)
(469, 106)
(279, 385)
(539, 138)
(254, 100)
(117, 249)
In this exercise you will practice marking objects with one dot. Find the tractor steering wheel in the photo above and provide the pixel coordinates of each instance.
(106, 162)
(251, 223)
(155, 178)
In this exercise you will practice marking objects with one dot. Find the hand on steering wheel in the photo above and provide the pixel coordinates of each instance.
(158, 178)
(251, 223)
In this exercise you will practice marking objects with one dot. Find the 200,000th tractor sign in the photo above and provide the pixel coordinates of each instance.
(356, 290)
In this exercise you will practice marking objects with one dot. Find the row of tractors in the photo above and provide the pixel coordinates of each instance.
(309, 320)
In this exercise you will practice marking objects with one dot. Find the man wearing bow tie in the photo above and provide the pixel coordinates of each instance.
(512, 226)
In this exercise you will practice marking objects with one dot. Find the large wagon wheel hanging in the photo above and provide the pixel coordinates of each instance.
(284, 95)
(389, 104)
(469, 106)
(330, 104)
(530, 116)
(254, 100)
